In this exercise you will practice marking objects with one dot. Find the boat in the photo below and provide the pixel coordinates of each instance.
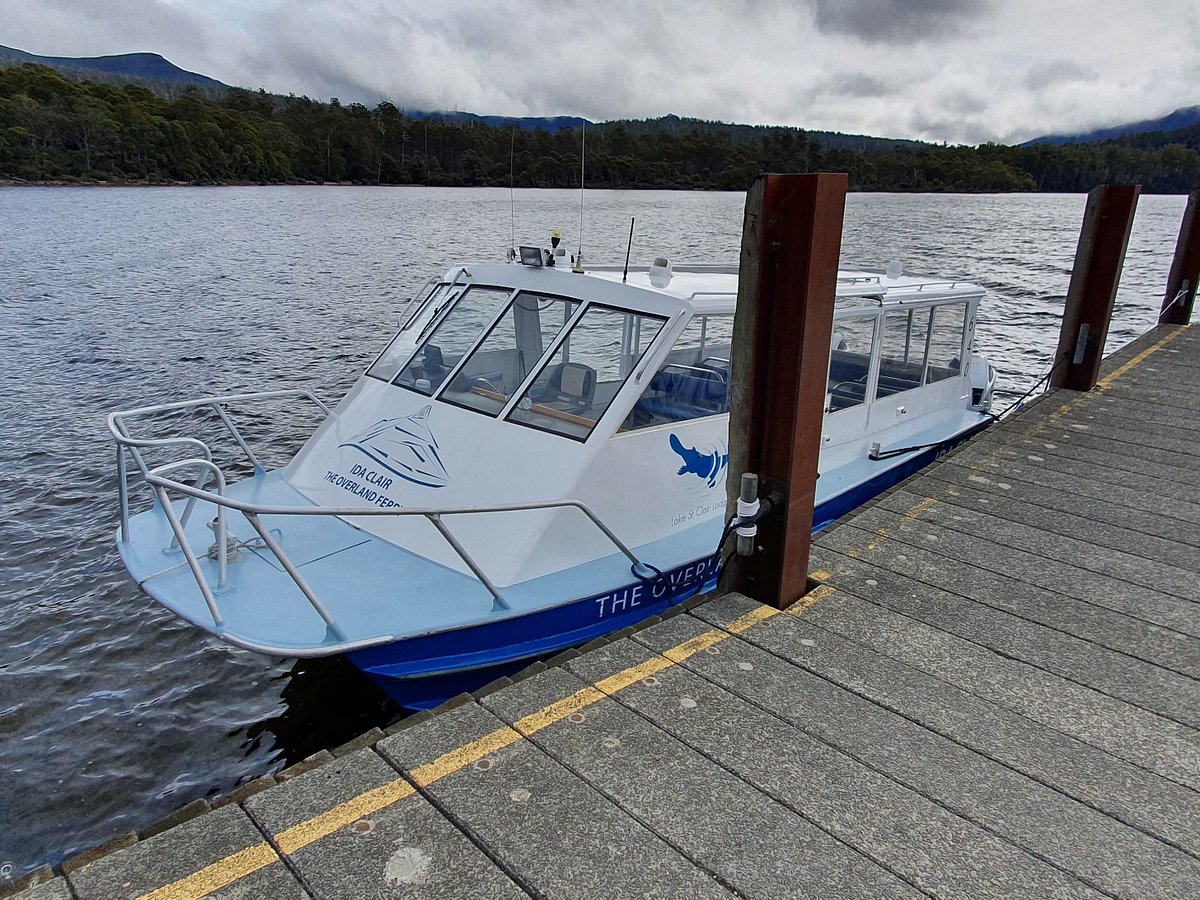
(536, 459)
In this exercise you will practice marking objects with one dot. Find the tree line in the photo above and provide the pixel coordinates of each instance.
(53, 129)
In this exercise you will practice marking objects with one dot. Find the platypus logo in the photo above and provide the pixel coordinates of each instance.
(708, 466)
(405, 447)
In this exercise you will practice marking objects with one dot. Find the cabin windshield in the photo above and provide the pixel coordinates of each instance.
(517, 340)
(446, 342)
(415, 323)
(581, 377)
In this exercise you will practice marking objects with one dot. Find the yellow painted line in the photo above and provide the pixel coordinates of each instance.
(232, 868)
(461, 757)
(556, 712)
(219, 875)
(811, 599)
(632, 675)
(312, 830)
(1107, 380)
(919, 507)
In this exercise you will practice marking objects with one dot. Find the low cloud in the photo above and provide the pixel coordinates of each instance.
(953, 70)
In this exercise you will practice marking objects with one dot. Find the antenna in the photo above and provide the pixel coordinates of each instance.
(512, 204)
(628, 248)
(582, 161)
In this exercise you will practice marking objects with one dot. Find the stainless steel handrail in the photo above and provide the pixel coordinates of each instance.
(252, 511)
(162, 486)
(126, 441)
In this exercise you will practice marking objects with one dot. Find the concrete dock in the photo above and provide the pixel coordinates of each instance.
(995, 692)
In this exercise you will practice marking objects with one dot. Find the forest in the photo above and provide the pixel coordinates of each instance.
(56, 130)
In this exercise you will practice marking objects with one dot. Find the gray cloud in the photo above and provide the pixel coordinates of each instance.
(894, 21)
(965, 71)
(1056, 71)
(858, 84)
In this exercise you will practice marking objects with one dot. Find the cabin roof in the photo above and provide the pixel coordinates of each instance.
(713, 289)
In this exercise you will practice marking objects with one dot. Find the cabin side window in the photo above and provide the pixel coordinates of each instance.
(582, 376)
(849, 361)
(416, 320)
(903, 350)
(498, 366)
(445, 343)
(693, 380)
(946, 342)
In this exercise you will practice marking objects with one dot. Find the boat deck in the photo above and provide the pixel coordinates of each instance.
(995, 692)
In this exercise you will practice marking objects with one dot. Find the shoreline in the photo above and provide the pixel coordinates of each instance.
(58, 183)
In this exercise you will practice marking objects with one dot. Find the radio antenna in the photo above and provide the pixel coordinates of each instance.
(512, 203)
(582, 161)
(628, 248)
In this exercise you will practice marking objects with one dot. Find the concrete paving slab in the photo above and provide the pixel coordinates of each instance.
(1126, 731)
(55, 889)
(1118, 675)
(1105, 524)
(1161, 577)
(1138, 413)
(1102, 452)
(211, 851)
(1079, 482)
(1098, 624)
(553, 832)
(1112, 856)
(1156, 805)
(931, 847)
(401, 848)
(987, 451)
(1157, 390)
(1049, 419)
(1059, 440)
(1038, 571)
(755, 845)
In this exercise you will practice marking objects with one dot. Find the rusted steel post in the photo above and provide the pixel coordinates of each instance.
(1185, 268)
(1098, 263)
(791, 239)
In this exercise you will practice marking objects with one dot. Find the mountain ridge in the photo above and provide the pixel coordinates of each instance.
(1184, 117)
(160, 75)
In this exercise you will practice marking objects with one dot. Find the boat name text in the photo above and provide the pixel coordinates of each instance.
(362, 488)
(632, 596)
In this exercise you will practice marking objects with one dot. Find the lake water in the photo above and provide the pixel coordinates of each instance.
(112, 713)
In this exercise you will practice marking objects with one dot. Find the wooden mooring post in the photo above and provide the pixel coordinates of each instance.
(1094, 279)
(791, 239)
(1185, 268)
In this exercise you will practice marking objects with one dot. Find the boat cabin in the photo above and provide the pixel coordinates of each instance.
(509, 382)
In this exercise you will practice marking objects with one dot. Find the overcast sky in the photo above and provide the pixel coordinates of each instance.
(963, 71)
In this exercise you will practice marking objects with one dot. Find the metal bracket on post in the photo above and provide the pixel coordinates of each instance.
(1080, 344)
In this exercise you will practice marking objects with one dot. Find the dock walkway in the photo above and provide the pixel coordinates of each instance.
(995, 692)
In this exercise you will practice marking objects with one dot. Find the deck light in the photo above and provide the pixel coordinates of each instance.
(531, 256)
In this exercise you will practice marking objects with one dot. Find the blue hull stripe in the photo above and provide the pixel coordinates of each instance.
(421, 672)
